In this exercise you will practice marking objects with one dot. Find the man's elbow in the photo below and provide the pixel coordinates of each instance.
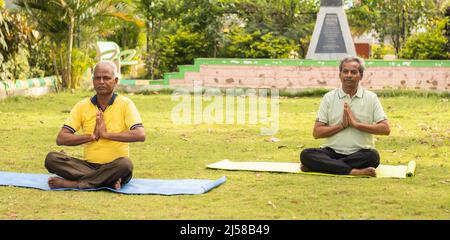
(59, 141)
(316, 135)
(388, 131)
(141, 137)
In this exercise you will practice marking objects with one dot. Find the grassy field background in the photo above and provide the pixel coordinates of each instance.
(420, 131)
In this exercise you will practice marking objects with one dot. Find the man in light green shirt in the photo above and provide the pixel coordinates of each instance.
(347, 117)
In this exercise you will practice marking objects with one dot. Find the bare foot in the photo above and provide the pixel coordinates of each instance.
(370, 171)
(57, 182)
(118, 185)
(304, 168)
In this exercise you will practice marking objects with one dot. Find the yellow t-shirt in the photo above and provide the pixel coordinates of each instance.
(120, 115)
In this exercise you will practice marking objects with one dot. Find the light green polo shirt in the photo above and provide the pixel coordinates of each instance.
(366, 108)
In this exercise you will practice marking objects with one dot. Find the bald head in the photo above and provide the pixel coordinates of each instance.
(105, 78)
(107, 64)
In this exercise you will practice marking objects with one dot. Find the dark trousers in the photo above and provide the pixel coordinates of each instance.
(328, 161)
(89, 175)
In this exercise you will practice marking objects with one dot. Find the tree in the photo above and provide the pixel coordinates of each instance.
(360, 19)
(205, 17)
(156, 14)
(396, 19)
(293, 19)
(180, 48)
(447, 29)
(58, 20)
(165, 17)
(429, 44)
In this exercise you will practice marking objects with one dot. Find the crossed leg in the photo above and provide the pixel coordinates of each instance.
(360, 163)
(76, 173)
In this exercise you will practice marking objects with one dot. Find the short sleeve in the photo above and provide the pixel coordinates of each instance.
(378, 112)
(73, 122)
(132, 116)
(322, 114)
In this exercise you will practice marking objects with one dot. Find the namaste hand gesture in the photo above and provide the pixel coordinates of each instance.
(348, 118)
(100, 126)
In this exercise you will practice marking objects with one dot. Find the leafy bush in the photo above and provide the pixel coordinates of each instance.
(22, 54)
(429, 44)
(80, 63)
(241, 44)
(379, 51)
(271, 46)
(13, 32)
(40, 58)
(180, 48)
(126, 35)
(18, 65)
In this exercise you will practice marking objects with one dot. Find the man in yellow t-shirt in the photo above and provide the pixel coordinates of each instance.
(108, 122)
(348, 117)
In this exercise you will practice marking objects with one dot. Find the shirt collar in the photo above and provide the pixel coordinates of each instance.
(359, 92)
(111, 101)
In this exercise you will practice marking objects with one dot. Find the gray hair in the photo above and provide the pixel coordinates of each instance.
(111, 64)
(359, 60)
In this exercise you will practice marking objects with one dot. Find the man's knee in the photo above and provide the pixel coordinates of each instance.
(50, 160)
(124, 164)
(306, 155)
(373, 156)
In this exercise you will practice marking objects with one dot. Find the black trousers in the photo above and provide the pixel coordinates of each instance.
(89, 175)
(326, 160)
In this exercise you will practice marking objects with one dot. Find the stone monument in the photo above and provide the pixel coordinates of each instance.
(331, 39)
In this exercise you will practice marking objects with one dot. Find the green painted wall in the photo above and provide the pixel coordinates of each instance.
(296, 62)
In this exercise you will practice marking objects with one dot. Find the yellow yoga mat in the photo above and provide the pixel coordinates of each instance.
(383, 171)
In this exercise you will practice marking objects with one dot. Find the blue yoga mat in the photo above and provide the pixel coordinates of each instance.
(135, 186)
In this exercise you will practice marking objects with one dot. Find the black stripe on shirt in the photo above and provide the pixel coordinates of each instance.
(136, 126)
(69, 128)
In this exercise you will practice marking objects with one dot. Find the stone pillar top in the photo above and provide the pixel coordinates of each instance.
(330, 3)
(331, 39)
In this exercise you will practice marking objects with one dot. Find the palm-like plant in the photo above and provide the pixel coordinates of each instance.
(58, 20)
(155, 14)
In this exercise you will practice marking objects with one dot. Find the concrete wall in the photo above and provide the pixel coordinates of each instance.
(298, 77)
(30, 87)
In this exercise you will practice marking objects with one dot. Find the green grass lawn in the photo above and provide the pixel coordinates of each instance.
(420, 130)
